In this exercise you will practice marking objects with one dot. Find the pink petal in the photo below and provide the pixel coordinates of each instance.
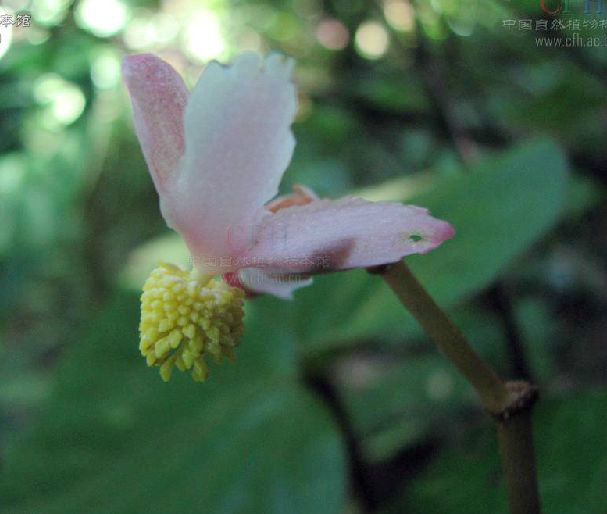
(281, 285)
(159, 97)
(238, 144)
(327, 235)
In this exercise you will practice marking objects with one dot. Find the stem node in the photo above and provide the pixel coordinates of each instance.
(509, 403)
(523, 396)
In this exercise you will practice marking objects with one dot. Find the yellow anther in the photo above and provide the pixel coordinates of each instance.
(185, 316)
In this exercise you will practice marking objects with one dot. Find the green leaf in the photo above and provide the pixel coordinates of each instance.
(499, 208)
(114, 438)
(395, 401)
(572, 461)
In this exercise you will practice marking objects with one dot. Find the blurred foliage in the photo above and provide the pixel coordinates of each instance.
(250, 442)
(337, 403)
(575, 459)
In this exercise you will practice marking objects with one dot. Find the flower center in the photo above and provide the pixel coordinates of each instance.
(185, 316)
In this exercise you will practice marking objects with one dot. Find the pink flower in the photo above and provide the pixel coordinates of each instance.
(216, 156)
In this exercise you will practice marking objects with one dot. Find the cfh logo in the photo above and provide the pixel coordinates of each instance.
(554, 7)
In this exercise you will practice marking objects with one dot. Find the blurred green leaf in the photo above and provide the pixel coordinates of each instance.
(393, 402)
(166, 248)
(499, 208)
(572, 456)
(114, 438)
(397, 94)
(396, 399)
(584, 194)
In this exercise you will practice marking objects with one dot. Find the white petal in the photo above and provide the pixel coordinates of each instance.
(238, 144)
(327, 235)
(281, 285)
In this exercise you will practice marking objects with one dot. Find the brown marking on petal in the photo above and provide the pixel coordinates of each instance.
(330, 260)
(301, 195)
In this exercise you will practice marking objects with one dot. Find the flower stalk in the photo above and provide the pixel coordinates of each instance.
(509, 403)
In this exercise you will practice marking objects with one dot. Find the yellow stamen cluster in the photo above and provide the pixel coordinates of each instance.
(184, 316)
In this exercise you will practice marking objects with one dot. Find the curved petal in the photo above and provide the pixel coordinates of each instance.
(159, 97)
(327, 235)
(238, 144)
(281, 285)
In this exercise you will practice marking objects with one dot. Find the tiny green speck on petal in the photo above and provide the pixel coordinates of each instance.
(416, 238)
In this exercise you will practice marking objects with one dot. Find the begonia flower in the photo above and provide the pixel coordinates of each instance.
(216, 156)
